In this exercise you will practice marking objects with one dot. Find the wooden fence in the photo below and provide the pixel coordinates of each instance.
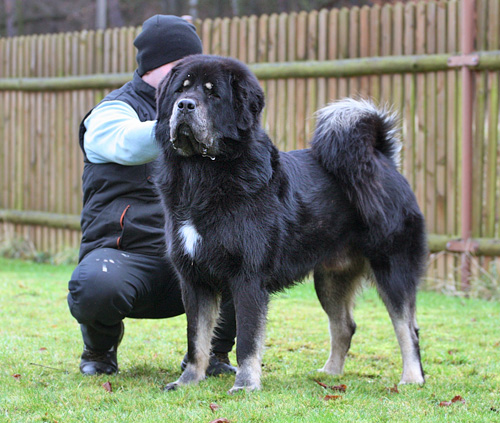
(395, 54)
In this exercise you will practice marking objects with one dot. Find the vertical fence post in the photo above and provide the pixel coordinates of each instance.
(101, 14)
(467, 45)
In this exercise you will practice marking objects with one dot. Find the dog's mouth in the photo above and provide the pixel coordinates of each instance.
(186, 142)
(185, 134)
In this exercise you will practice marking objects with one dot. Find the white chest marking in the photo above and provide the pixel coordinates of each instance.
(190, 237)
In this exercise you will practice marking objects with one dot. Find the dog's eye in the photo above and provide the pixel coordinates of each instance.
(211, 92)
(186, 83)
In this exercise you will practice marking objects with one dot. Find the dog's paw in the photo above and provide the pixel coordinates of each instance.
(171, 386)
(418, 380)
(248, 388)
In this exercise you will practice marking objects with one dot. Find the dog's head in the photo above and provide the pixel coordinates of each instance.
(207, 105)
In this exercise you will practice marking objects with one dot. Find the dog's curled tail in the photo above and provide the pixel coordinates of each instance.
(358, 143)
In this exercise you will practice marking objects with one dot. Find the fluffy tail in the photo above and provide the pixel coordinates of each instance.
(358, 144)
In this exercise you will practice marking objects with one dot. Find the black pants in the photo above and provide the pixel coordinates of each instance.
(109, 285)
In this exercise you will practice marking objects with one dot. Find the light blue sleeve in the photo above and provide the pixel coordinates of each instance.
(115, 134)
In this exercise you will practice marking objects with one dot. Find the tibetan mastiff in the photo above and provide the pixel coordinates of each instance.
(246, 219)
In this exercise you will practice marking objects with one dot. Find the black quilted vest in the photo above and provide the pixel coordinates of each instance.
(120, 206)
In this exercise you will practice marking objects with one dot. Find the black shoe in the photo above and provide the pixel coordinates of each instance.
(219, 364)
(100, 362)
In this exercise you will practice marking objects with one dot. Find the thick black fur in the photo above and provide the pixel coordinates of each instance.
(244, 218)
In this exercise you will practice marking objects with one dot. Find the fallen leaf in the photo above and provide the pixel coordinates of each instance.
(214, 407)
(332, 397)
(43, 349)
(458, 398)
(223, 420)
(321, 384)
(445, 403)
(16, 376)
(107, 386)
(341, 388)
(394, 389)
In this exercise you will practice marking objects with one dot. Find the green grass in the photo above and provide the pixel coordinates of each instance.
(460, 342)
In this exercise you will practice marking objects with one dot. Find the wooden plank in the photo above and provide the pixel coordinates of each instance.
(441, 138)
(409, 114)
(479, 154)
(29, 119)
(479, 109)
(252, 42)
(216, 34)
(281, 124)
(322, 95)
(430, 123)
(271, 108)
(397, 50)
(333, 54)
(421, 96)
(4, 151)
(364, 48)
(107, 46)
(300, 118)
(48, 140)
(131, 62)
(311, 83)
(262, 56)
(121, 47)
(233, 42)
(343, 49)
(452, 142)
(291, 84)
(98, 53)
(386, 50)
(39, 187)
(206, 32)
(3, 57)
(262, 38)
(242, 39)
(226, 36)
(375, 48)
(353, 82)
(492, 148)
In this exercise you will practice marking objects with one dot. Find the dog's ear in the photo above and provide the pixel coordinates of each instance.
(161, 92)
(248, 98)
(164, 107)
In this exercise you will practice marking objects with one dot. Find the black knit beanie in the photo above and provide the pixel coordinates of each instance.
(165, 39)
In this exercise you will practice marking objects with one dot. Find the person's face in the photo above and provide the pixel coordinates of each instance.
(154, 76)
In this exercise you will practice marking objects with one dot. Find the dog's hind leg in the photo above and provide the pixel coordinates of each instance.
(397, 286)
(336, 284)
(202, 310)
(250, 303)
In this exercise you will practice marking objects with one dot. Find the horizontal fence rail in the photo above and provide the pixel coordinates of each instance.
(388, 65)
(436, 243)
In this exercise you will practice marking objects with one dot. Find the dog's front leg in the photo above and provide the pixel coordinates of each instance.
(202, 311)
(250, 303)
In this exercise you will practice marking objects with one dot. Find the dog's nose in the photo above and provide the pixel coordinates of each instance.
(186, 105)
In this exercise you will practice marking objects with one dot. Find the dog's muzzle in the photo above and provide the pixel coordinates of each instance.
(189, 130)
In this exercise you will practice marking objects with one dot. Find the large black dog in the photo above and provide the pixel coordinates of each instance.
(245, 219)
